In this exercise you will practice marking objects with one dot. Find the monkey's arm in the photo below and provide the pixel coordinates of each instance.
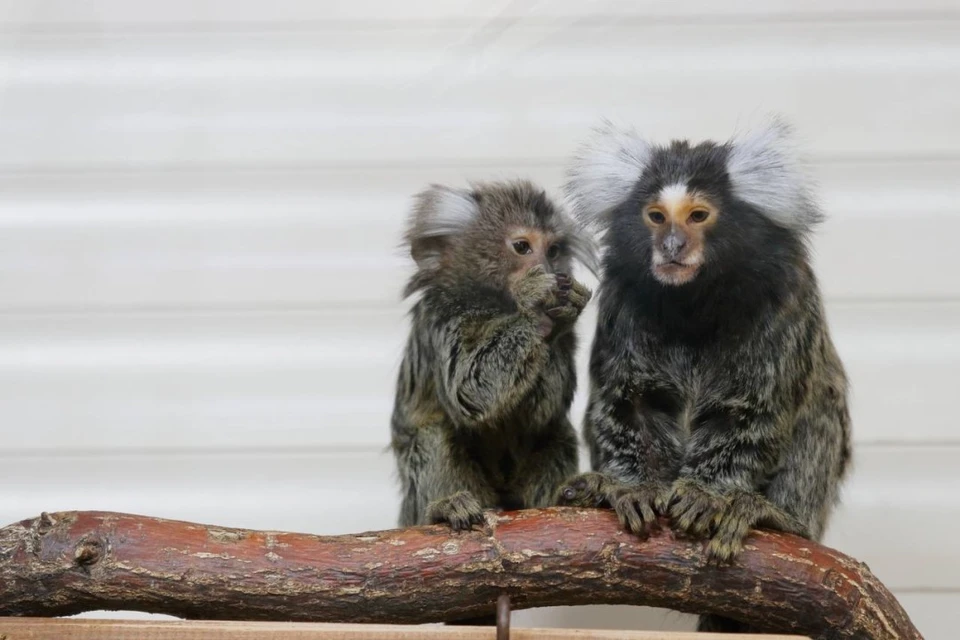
(739, 442)
(490, 356)
(807, 485)
(487, 365)
(718, 492)
(631, 429)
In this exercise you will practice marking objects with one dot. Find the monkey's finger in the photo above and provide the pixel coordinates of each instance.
(582, 290)
(646, 510)
(686, 512)
(775, 518)
(562, 313)
(577, 299)
(571, 497)
(582, 490)
(724, 548)
(629, 518)
(537, 270)
(727, 542)
(705, 523)
(662, 501)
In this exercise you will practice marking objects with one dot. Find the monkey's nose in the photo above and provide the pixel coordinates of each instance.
(673, 244)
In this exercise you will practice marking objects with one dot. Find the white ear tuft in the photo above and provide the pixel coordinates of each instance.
(443, 211)
(604, 172)
(438, 213)
(765, 171)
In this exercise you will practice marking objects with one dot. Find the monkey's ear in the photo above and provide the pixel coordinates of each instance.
(765, 171)
(438, 214)
(604, 171)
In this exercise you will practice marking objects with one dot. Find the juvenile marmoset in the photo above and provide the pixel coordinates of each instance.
(480, 418)
(717, 397)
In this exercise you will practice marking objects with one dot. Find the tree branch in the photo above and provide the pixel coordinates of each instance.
(67, 563)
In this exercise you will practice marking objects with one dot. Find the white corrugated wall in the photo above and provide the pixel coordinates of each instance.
(201, 201)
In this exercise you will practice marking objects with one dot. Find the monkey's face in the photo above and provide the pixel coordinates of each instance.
(678, 219)
(526, 247)
(685, 216)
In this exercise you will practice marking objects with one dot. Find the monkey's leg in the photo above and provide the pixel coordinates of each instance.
(799, 497)
(808, 483)
(553, 461)
(441, 482)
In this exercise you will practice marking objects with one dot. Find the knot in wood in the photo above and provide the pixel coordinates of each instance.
(88, 552)
(45, 523)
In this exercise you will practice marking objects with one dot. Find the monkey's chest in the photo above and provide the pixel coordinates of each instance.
(688, 399)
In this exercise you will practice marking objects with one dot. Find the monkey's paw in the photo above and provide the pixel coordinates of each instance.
(588, 490)
(745, 511)
(635, 505)
(572, 297)
(461, 511)
(694, 508)
(535, 290)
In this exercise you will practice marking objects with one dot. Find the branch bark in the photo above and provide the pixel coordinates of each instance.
(70, 562)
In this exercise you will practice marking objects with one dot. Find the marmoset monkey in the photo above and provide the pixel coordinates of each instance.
(480, 418)
(717, 397)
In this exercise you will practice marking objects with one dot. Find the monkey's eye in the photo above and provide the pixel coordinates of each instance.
(553, 252)
(656, 217)
(522, 247)
(699, 215)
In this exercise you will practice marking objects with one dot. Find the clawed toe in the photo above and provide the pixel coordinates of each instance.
(461, 511)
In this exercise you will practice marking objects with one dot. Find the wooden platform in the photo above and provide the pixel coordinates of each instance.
(82, 629)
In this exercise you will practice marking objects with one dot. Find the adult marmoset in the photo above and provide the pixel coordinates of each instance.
(480, 419)
(716, 395)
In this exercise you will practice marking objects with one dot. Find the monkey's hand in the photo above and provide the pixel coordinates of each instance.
(635, 505)
(745, 511)
(724, 517)
(694, 507)
(572, 298)
(461, 511)
(535, 292)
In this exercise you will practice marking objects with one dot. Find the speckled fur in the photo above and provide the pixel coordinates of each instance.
(722, 402)
(480, 419)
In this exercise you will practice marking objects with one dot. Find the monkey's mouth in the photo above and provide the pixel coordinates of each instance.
(676, 272)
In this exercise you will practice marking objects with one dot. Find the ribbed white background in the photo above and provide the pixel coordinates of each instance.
(201, 201)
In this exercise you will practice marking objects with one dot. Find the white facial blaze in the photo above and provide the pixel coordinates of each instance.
(673, 195)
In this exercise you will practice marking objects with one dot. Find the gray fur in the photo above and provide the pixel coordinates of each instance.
(721, 402)
(480, 418)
